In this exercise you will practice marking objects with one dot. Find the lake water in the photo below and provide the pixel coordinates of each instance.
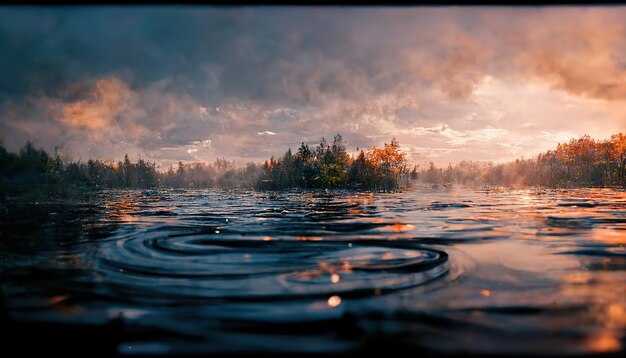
(440, 271)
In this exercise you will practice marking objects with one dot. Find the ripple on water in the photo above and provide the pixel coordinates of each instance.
(196, 270)
(443, 206)
(191, 267)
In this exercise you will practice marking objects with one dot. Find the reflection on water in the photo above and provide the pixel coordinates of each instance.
(453, 271)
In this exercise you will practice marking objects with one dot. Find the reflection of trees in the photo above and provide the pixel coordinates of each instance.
(604, 263)
(26, 228)
(46, 249)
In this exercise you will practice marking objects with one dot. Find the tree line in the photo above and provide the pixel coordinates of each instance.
(581, 162)
(33, 170)
(329, 166)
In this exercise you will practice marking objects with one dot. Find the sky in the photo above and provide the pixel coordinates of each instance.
(192, 84)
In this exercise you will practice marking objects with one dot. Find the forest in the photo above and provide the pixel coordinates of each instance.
(34, 172)
(329, 166)
(582, 162)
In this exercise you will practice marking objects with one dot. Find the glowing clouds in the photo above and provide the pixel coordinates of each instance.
(478, 135)
(450, 83)
(99, 110)
(580, 55)
(266, 133)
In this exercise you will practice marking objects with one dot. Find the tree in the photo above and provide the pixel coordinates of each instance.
(333, 163)
(389, 165)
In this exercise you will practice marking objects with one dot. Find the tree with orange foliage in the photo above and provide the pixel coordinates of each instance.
(618, 156)
(330, 166)
(389, 165)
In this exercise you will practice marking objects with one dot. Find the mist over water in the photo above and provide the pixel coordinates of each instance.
(444, 271)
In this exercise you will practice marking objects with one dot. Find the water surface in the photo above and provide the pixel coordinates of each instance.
(441, 271)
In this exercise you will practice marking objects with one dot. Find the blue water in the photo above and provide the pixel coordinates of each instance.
(442, 271)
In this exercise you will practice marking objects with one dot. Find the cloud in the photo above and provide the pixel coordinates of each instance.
(477, 135)
(109, 99)
(462, 82)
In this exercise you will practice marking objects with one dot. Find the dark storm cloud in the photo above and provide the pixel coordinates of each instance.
(104, 80)
(210, 53)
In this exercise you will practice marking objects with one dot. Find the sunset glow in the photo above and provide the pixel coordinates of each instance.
(195, 84)
(349, 180)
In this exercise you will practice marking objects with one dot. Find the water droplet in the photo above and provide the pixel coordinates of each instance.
(334, 301)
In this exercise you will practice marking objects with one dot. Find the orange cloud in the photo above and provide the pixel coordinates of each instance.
(580, 51)
(450, 83)
(105, 102)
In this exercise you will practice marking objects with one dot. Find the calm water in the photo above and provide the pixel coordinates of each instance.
(452, 271)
